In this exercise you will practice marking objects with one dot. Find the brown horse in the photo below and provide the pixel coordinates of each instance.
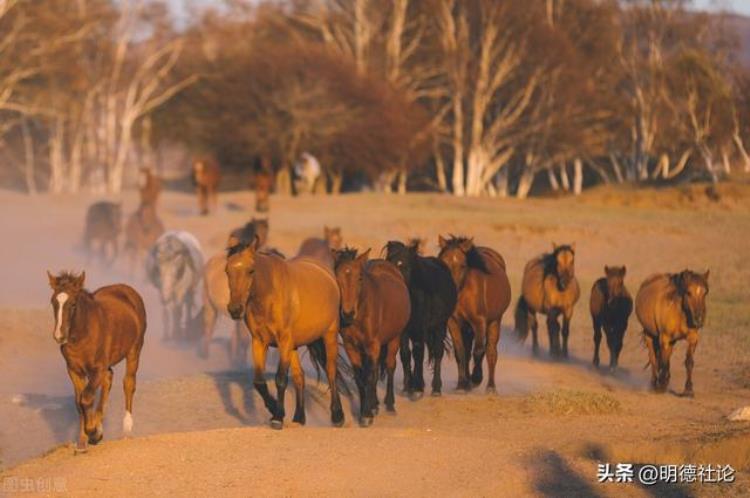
(206, 176)
(142, 230)
(149, 186)
(103, 226)
(610, 305)
(286, 304)
(671, 307)
(246, 233)
(96, 331)
(549, 287)
(320, 249)
(375, 309)
(483, 296)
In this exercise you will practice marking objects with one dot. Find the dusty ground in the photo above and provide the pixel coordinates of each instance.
(201, 431)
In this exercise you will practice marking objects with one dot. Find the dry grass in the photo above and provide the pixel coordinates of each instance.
(573, 402)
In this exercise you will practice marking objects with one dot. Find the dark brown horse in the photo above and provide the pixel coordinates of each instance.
(610, 305)
(483, 296)
(96, 331)
(671, 307)
(286, 304)
(206, 177)
(549, 287)
(375, 309)
(246, 233)
(103, 226)
(320, 249)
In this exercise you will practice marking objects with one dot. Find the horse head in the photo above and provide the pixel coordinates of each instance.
(615, 281)
(693, 289)
(564, 261)
(350, 270)
(66, 289)
(240, 271)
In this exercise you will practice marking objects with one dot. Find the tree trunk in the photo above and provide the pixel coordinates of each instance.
(56, 162)
(337, 179)
(616, 168)
(741, 148)
(525, 183)
(501, 183)
(553, 183)
(458, 148)
(577, 176)
(725, 161)
(28, 157)
(284, 181)
(564, 177)
(402, 177)
(440, 170)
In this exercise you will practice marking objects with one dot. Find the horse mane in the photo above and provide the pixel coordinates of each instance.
(67, 279)
(237, 248)
(549, 259)
(345, 254)
(474, 258)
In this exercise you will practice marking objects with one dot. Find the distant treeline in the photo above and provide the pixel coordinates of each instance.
(472, 97)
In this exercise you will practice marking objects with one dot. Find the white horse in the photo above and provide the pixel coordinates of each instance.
(307, 171)
(174, 265)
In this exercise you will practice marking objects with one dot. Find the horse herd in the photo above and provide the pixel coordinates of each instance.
(328, 294)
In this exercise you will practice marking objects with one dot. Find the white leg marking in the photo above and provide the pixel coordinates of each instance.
(61, 298)
(127, 423)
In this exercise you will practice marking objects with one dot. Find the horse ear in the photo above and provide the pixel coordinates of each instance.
(82, 278)
(554, 245)
(606, 270)
(573, 246)
(623, 270)
(362, 258)
(52, 280)
(442, 242)
(705, 275)
(467, 244)
(256, 242)
(232, 241)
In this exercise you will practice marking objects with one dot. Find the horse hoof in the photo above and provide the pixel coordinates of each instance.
(299, 420)
(80, 449)
(97, 436)
(436, 393)
(375, 410)
(491, 390)
(688, 394)
(337, 418)
(277, 424)
(365, 421)
(416, 395)
(390, 409)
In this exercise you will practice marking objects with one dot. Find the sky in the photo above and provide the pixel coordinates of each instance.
(738, 6)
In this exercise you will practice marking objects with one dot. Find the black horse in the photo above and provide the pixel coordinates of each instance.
(433, 299)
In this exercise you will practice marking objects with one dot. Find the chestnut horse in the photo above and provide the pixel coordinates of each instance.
(286, 304)
(320, 249)
(142, 230)
(433, 298)
(483, 296)
(671, 307)
(549, 287)
(96, 331)
(610, 305)
(149, 186)
(206, 177)
(375, 309)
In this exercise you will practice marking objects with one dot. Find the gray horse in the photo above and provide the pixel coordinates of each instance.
(174, 265)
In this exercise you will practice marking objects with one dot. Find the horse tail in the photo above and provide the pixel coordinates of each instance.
(436, 342)
(522, 320)
(317, 350)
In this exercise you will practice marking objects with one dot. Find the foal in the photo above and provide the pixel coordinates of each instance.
(375, 309)
(96, 331)
(610, 307)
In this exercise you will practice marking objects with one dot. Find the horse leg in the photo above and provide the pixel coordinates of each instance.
(209, 322)
(480, 348)
(493, 338)
(614, 343)
(692, 340)
(418, 379)
(128, 384)
(598, 340)
(653, 347)
(534, 325)
(88, 396)
(567, 315)
(79, 383)
(259, 381)
(106, 386)
(665, 353)
(553, 329)
(298, 377)
(355, 358)
(406, 360)
(285, 348)
(390, 365)
(332, 352)
(243, 341)
(458, 349)
(437, 360)
(371, 364)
